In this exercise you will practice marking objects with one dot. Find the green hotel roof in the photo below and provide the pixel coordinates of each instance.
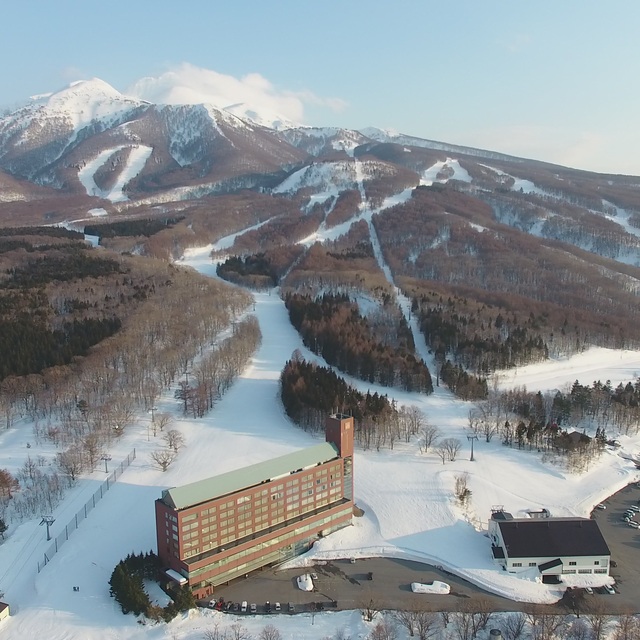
(217, 486)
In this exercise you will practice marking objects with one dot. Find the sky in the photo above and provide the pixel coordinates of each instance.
(554, 81)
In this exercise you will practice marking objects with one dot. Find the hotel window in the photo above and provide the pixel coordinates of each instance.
(517, 564)
(572, 564)
(596, 562)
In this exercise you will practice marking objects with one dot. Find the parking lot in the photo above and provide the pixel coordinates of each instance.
(624, 543)
(341, 584)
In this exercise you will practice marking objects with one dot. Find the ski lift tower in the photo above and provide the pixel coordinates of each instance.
(48, 520)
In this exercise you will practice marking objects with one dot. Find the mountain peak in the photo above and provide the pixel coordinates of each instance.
(251, 98)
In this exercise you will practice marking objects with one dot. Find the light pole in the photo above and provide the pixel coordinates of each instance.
(472, 438)
(153, 421)
(106, 457)
(48, 520)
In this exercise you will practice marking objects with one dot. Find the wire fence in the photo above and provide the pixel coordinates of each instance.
(72, 525)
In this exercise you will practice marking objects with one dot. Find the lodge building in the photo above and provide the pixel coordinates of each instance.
(217, 529)
(549, 547)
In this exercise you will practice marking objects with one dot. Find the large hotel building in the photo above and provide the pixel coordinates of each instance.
(214, 530)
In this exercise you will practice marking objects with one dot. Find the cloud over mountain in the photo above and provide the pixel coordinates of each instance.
(188, 84)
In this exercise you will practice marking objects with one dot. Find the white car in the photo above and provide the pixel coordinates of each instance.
(601, 506)
(305, 583)
(634, 524)
(441, 588)
(635, 508)
(609, 589)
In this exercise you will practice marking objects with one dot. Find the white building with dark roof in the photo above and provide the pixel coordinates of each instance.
(555, 547)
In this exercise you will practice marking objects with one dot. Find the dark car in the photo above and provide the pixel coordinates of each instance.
(267, 607)
(291, 607)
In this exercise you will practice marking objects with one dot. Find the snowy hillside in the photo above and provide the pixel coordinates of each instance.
(406, 495)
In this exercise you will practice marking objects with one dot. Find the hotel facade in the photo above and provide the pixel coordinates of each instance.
(217, 529)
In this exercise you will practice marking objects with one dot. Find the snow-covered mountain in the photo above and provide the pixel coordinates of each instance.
(180, 137)
(51, 141)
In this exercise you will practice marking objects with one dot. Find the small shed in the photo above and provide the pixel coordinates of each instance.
(4, 611)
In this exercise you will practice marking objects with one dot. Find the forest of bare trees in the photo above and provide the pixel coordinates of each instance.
(450, 243)
(82, 406)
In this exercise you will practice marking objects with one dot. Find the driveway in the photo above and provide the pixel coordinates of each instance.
(344, 585)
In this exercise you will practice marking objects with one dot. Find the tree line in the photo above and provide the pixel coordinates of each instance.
(478, 337)
(310, 392)
(255, 271)
(134, 227)
(572, 426)
(332, 326)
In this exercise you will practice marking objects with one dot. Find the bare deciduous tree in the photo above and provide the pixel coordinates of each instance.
(462, 491)
(597, 619)
(628, 628)
(544, 625)
(414, 420)
(92, 444)
(384, 630)
(513, 625)
(71, 462)
(452, 446)
(429, 436)
(163, 458)
(369, 609)
(270, 633)
(164, 420)
(174, 439)
(578, 630)
(215, 633)
(8, 484)
(427, 624)
(463, 627)
(239, 632)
